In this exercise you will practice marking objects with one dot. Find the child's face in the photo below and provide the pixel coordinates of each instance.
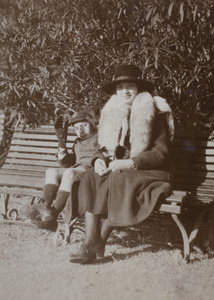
(127, 91)
(83, 129)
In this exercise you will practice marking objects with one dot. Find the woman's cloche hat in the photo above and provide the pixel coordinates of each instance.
(128, 73)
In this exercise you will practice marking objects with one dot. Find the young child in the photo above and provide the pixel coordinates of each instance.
(58, 181)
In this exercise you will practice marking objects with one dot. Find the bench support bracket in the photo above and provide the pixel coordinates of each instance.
(184, 236)
(197, 224)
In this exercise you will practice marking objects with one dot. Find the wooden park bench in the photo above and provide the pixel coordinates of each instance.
(33, 151)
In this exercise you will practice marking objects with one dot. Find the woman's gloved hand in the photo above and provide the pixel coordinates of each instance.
(119, 165)
(61, 131)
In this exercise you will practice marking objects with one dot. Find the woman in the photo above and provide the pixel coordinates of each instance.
(132, 170)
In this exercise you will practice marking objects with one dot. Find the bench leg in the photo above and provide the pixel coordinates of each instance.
(197, 224)
(209, 242)
(63, 238)
(184, 236)
(4, 203)
(210, 226)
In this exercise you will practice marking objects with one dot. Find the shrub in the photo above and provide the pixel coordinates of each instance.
(58, 53)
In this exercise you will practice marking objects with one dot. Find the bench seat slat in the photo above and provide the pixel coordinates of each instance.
(175, 209)
(22, 181)
(22, 191)
(176, 197)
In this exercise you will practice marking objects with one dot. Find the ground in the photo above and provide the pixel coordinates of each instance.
(33, 267)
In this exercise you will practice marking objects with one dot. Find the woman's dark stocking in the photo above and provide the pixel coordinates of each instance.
(92, 230)
(105, 231)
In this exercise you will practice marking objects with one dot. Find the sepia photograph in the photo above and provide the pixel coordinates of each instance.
(106, 150)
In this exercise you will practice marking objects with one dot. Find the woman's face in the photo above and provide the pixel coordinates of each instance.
(127, 91)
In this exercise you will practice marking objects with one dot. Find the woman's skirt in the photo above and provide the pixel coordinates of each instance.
(127, 198)
(93, 193)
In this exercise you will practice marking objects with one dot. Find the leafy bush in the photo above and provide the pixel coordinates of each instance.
(58, 53)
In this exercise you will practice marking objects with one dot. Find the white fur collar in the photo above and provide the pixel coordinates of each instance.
(116, 118)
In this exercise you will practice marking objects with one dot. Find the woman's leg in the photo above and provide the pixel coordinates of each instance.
(92, 230)
(93, 202)
(92, 247)
(105, 231)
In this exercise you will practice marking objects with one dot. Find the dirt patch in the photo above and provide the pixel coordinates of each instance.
(32, 267)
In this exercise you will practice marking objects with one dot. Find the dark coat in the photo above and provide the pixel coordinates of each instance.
(134, 194)
(82, 152)
(129, 197)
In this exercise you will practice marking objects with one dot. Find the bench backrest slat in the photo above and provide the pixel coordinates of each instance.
(33, 162)
(187, 145)
(47, 144)
(193, 155)
(194, 174)
(31, 156)
(47, 137)
(29, 149)
(14, 168)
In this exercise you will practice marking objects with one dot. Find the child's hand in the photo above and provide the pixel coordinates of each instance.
(100, 167)
(61, 131)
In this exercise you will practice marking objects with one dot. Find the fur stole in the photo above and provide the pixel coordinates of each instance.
(164, 108)
(117, 119)
(112, 117)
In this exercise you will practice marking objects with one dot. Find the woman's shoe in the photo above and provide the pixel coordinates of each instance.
(84, 256)
(100, 251)
(88, 254)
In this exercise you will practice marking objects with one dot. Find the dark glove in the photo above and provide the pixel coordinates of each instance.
(121, 152)
(61, 131)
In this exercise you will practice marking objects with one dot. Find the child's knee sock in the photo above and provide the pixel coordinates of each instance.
(49, 193)
(61, 199)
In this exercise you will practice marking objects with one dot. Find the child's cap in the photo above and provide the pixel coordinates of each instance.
(82, 116)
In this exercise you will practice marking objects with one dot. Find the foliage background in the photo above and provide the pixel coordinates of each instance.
(56, 54)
